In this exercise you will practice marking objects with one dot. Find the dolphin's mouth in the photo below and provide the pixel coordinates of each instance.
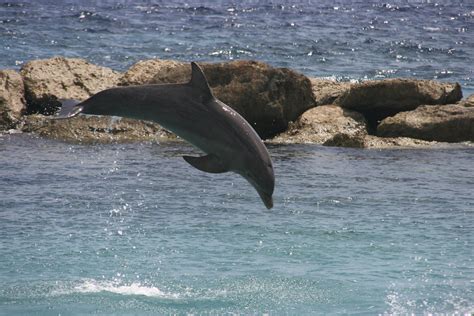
(267, 199)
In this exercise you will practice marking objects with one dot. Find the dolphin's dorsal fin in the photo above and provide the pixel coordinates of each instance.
(199, 81)
(209, 163)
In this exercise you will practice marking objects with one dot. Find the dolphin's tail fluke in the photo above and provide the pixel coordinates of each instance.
(69, 108)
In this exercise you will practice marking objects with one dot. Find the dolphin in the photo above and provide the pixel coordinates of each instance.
(191, 111)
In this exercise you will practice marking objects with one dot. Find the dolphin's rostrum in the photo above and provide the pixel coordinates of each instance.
(191, 111)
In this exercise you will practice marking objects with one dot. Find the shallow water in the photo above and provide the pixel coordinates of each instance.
(132, 229)
(343, 39)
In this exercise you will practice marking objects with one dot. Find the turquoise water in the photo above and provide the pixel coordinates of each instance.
(131, 229)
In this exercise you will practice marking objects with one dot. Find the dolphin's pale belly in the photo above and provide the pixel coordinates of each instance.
(202, 135)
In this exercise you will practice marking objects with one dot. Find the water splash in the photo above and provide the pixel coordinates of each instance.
(115, 287)
(112, 122)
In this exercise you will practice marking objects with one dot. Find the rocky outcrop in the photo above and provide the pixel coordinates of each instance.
(380, 99)
(322, 123)
(48, 80)
(156, 71)
(374, 142)
(273, 100)
(346, 140)
(448, 123)
(327, 91)
(269, 98)
(468, 102)
(95, 129)
(333, 126)
(397, 142)
(12, 101)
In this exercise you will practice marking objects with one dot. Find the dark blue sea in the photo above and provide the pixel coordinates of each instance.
(131, 229)
(345, 40)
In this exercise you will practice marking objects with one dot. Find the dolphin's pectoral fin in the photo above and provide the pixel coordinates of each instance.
(209, 163)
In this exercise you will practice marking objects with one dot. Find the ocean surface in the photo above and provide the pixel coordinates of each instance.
(345, 40)
(131, 229)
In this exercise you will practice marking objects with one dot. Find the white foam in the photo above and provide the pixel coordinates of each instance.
(431, 29)
(94, 286)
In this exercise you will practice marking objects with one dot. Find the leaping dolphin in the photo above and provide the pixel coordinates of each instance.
(191, 111)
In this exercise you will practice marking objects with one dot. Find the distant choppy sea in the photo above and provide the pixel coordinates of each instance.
(347, 40)
(131, 229)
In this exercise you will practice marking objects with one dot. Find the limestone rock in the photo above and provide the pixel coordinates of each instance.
(96, 129)
(374, 142)
(380, 99)
(394, 142)
(48, 80)
(326, 91)
(156, 71)
(269, 98)
(448, 123)
(468, 102)
(346, 140)
(321, 123)
(12, 101)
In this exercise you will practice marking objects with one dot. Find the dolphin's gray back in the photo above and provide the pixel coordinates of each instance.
(171, 106)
